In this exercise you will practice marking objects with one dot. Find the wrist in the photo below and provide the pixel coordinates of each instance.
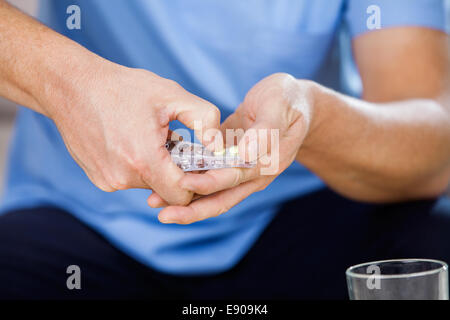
(67, 76)
(325, 106)
(312, 113)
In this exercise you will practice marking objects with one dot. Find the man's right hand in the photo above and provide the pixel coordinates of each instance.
(114, 121)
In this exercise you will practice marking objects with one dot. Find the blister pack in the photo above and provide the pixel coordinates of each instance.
(195, 157)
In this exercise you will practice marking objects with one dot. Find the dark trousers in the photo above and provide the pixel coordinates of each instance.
(303, 254)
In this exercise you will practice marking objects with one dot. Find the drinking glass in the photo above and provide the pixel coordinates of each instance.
(399, 279)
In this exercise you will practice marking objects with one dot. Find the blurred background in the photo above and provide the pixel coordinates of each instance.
(331, 70)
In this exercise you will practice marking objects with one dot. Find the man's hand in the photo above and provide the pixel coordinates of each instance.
(391, 147)
(114, 120)
(278, 102)
(116, 123)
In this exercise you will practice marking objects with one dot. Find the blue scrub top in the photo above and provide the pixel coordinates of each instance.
(217, 50)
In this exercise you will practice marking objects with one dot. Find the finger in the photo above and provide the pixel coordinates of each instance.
(209, 206)
(163, 175)
(153, 169)
(195, 113)
(155, 200)
(216, 180)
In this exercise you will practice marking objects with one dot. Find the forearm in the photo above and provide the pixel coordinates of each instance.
(37, 65)
(379, 152)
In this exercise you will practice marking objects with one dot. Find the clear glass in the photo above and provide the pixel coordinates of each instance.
(401, 279)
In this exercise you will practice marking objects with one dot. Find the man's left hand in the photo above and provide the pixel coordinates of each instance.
(279, 102)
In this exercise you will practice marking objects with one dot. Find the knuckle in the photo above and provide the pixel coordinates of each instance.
(185, 199)
(100, 182)
(179, 197)
(118, 186)
(238, 176)
(283, 76)
(116, 180)
(105, 187)
(172, 84)
(222, 210)
(119, 183)
(213, 115)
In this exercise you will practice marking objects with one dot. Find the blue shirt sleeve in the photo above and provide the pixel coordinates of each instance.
(425, 13)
